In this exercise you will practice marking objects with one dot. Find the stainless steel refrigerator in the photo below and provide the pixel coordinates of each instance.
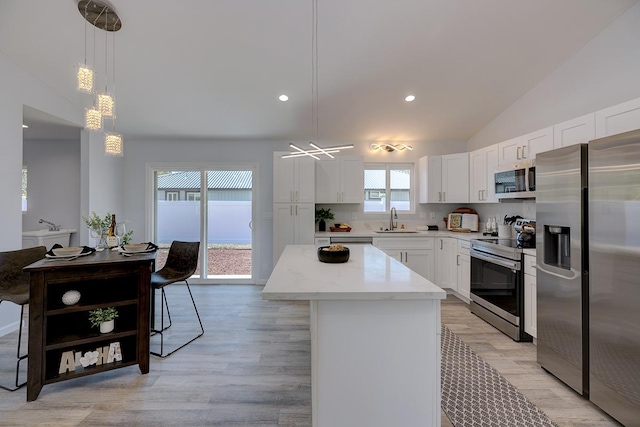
(561, 254)
(588, 277)
(614, 276)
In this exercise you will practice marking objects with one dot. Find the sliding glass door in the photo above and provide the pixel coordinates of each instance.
(212, 205)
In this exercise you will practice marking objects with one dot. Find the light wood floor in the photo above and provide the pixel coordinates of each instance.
(252, 368)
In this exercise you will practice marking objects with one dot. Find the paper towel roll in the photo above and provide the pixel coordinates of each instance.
(504, 231)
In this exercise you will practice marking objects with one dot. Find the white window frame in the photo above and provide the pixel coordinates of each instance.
(412, 190)
(168, 195)
(193, 196)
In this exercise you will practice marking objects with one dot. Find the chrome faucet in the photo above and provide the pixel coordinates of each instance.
(393, 215)
(52, 226)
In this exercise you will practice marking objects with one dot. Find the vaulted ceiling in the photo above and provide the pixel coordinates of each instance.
(214, 69)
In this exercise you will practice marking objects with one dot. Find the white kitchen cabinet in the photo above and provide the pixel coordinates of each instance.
(463, 267)
(530, 296)
(340, 180)
(618, 119)
(444, 179)
(482, 163)
(575, 131)
(446, 249)
(526, 147)
(417, 253)
(293, 224)
(293, 179)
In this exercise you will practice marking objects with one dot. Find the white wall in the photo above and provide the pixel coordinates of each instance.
(53, 180)
(103, 176)
(18, 88)
(603, 73)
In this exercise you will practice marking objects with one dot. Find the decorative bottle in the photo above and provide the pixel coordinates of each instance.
(112, 240)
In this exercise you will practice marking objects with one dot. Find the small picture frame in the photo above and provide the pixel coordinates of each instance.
(454, 221)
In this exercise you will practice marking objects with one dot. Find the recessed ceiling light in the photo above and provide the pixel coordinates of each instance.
(283, 98)
(409, 98)
(24, 126)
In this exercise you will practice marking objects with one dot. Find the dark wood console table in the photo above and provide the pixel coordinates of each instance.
(62, 343)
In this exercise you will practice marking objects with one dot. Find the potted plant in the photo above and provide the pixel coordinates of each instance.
(321, 216)
(104, 318)
(99, 226)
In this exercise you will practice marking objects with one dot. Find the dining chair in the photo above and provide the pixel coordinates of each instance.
(181, 263)
(14, 287)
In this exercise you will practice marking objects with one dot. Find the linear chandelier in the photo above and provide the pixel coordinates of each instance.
(101, 16)
(389, 147)
(327, 151)
(315, 150)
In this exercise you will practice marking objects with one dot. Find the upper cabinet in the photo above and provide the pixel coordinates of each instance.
(293, 179)
(444, 179)
(340, 180)
(618, 119)
(482, 163)
(575, 131)
(527, 146)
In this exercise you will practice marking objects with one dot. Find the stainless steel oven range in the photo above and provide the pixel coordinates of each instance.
(497, 285)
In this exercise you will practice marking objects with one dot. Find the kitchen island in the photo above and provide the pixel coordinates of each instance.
(375, 337)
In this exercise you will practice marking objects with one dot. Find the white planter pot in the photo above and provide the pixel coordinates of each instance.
(107, 326)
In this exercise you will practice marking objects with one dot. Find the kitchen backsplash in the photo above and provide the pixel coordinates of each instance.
(371, 221)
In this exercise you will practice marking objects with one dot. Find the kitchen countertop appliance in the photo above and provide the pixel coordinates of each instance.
(588, 267)
(497, 283)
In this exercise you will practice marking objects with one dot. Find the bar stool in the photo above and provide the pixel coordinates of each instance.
(14, 287)
(182, 262)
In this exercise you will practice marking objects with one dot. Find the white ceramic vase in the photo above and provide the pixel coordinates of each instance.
(107, 326)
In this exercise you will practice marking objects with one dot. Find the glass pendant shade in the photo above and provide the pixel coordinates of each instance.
(92, 119)
(106, 104)
(85, 79)
(113, 144)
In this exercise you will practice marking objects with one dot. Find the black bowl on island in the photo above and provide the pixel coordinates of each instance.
(333, 254)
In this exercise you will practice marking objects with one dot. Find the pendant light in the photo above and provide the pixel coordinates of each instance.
(102, 16)
(113, 143)
(85, 74)
(315, 150)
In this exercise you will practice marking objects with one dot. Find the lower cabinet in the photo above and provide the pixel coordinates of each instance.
(463, 265)
(415, 252)
(446, 249)
(530, 296)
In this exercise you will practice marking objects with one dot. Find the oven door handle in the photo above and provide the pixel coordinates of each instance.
(513, 265)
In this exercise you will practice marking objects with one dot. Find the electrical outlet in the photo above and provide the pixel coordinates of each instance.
(432, 215)
(354, 216)
(423, 215)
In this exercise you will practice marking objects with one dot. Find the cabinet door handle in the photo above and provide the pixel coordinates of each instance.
(290, 210)
(457, 259)
(337, 196)
(400, 256)
(342, 196)
(479, 194)
(297, 196)
(484, 194)
(518, 153)
(296, 210)
(440, 243)
(439, 196)
(444, 196)
(524, 155)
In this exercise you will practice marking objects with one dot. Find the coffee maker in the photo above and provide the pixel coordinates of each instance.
(525, 232)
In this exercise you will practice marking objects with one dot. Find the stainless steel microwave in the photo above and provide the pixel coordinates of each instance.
(516, 180)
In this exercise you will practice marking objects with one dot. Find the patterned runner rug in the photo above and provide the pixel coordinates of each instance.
(474, 394)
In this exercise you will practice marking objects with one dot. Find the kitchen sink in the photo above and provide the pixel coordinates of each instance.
(396, 231)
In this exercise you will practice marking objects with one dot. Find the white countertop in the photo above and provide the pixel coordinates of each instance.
(369, 274)
(369, 233)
